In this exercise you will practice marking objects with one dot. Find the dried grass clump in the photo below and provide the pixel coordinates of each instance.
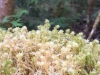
(45, 52)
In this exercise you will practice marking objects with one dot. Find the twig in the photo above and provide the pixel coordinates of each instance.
(94, 26)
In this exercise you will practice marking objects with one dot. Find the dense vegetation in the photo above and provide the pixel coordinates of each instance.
(59, 12)
(62, 12)
(28, 46)
(46, 52)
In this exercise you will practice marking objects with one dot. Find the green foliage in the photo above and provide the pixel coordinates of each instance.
(57, 11)
(19, 12)
(60, 12)
(16, 18)
(7, 67)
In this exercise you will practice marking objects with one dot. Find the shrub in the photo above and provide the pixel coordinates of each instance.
(45, 52)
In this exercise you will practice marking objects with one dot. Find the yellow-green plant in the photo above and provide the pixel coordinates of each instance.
(45, 52)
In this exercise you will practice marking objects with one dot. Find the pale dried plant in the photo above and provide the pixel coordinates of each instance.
(45, 52)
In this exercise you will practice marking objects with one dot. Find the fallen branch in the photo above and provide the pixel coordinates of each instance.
(94, 26)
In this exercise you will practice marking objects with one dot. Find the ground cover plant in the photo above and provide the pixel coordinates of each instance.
(46, 52)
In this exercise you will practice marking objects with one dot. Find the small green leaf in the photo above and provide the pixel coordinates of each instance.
(16, 23)
(6, 19)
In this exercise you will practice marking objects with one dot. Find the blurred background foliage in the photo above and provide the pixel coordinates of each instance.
(60, 12)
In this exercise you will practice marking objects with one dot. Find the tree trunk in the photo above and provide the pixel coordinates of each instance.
(6, 9)
(86, 31)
